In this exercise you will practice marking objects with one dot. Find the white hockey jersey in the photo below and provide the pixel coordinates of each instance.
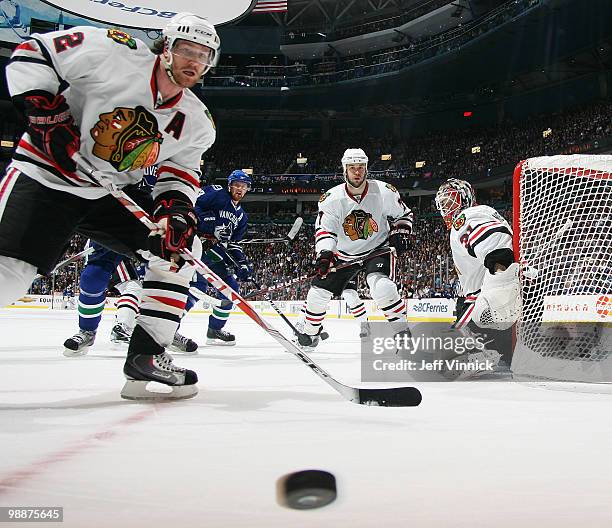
(352, 228)
(108, 80)
(476, 231)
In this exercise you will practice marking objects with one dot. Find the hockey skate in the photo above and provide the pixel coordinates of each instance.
(219, 337)
(79, 343)
(140, 369)
(364, 330)
(309, 342)
(183, 344)
(120, 335)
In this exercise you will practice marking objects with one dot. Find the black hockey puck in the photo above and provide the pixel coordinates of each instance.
(309, 489)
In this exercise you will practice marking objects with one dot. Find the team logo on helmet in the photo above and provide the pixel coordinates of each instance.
(122, 38)
(459, 222)
(359, 225)
(128, 138)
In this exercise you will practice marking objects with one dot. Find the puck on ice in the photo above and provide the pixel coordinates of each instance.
(309, 489)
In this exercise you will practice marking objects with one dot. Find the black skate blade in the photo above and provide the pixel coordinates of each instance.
(393, 397)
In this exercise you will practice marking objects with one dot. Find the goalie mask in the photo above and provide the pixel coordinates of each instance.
(191, 28)
(354, 156)
(453, 197)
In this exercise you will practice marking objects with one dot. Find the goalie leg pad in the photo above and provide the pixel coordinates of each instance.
(499, 303)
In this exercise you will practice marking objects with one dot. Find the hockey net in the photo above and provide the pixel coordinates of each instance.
(563, 239)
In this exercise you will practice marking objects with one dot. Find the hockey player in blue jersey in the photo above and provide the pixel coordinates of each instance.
(222, 223)
(103, 268)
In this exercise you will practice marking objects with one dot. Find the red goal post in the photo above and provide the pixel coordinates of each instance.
(562, 220)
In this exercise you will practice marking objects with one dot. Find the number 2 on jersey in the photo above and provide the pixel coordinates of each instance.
(68, 41)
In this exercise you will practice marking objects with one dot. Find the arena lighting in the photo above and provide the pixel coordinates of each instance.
(301, 161)
(385, 157)
(419, 164)
(547, 132)
(475, 150)
(467, 113)
(7, 144)
(248, 171)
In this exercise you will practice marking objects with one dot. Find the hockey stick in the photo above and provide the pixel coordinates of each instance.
(268, 298)
(310, 276)
(69, 260)
(289, 237)
(389, 397)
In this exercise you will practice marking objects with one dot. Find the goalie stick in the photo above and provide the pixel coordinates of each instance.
(389, 397)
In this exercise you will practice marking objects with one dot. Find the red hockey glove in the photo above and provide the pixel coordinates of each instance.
(180, 228)
(324, 262)
(52, 128)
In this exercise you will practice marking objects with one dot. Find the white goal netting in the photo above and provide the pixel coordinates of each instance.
(563, 238)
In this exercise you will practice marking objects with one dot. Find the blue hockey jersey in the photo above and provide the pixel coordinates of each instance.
(216, 210)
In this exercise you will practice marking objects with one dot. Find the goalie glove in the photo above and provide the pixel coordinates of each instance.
(399, 236)
(51, 127)
(177, 220)
(499, 304)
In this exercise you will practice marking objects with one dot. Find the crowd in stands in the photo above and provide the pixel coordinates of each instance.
(425, 271)
(446, 154)
(371, 63)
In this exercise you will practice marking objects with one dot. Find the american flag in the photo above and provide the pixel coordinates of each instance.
(270, 6)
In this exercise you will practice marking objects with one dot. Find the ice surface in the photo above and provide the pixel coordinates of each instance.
(473, 454)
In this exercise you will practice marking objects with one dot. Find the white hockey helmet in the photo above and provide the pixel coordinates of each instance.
(352, 156)
(452, 197)
(193, 28)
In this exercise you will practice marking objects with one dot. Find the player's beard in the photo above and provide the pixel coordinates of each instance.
(183, 80)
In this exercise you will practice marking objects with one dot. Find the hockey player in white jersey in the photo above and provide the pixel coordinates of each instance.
(355, 219)
(123, 108)
(481, 244)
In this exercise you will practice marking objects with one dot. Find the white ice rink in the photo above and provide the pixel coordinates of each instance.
(490, 454)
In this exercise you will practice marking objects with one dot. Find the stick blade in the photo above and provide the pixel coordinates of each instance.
(393, 397)
(295, 228)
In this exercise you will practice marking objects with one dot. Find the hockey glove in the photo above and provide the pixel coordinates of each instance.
(399, 237)
(223, 233)
(324, 262)
(52, 128)
(244, 270)
(176, 212)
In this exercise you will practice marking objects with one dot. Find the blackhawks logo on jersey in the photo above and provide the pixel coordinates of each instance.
(389, 186)
(128, 138)
(323, 197)
(122, 38)
(359, 225)
(459, 222)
